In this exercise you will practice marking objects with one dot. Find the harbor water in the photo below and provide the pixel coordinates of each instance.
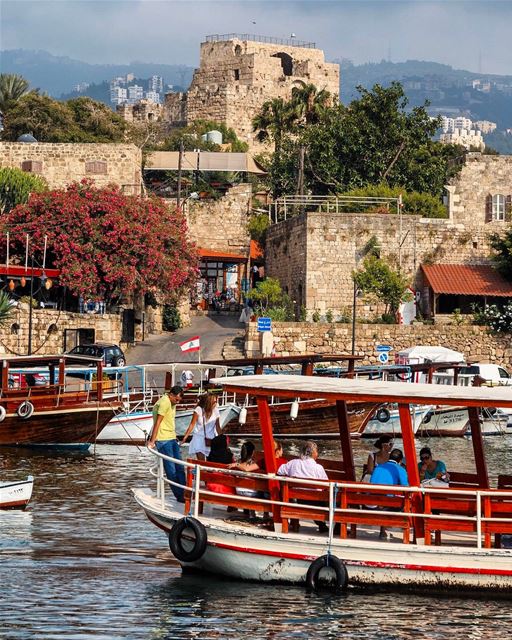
(83, 562)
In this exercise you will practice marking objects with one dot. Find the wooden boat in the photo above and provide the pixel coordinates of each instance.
(16, 495)
(386, 421)
(51, 414)
(467, 519)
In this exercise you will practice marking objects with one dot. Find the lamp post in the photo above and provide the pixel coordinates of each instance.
(29, 350)
(354, 304)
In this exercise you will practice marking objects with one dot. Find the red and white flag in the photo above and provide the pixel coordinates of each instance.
(191, 345)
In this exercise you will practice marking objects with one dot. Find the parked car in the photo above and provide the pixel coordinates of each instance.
(112, 354)
(494, 374)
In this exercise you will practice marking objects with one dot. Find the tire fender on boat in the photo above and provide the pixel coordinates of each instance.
(427, 418)
(199, 541)
(383, 415)
(25, 410)
(337, 565)
(3, 413)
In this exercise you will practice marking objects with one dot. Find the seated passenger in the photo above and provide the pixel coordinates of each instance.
(391, 472)
(247, 463)
(384, 444)
(278, 452)
(430, 468)
(221, 453)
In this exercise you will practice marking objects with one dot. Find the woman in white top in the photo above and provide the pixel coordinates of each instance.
(204, 426)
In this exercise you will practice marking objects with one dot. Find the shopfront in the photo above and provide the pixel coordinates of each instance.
(223, 280)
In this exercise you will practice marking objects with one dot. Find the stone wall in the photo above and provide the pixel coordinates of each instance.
(237, 76)
(61, 164)
(221, 225)
(48, 328)
(291, 338)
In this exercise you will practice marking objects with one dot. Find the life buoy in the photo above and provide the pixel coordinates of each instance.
(427, 418)
(198, 540)
(383, 415)
(25, 410)
(341, 575)
(3, 413)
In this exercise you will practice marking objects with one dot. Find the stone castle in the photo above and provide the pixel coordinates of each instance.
(237, 74)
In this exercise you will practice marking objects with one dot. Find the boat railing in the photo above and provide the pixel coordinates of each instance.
(482, 512)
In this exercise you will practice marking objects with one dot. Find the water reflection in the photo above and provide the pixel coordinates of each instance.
(83, 562)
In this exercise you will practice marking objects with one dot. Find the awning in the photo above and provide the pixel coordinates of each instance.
(203, 161)
(466, 280)
(256, 251)
(16, 271)
(220, 256)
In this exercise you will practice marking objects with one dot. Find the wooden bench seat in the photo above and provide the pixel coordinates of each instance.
(463, 509)
(498, 507)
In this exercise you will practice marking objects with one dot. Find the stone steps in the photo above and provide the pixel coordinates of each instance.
(234, 348)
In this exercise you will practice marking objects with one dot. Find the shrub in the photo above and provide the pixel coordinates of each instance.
(171, 318)
(316, 316)
(329, 316)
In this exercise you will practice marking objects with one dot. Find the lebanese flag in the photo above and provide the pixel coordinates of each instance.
(191, 345)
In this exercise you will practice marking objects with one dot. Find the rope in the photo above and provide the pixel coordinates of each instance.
(331, 528)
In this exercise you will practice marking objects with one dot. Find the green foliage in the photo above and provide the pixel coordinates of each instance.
(16, 186)
(378, 280)
(12, 88)
(191, 138)
(270, 300)
(171, 320)
(329, 316)
(257, 227)
(457, 317)
(315, 316)
(376, 139)
(79, 120)
(5, 308)
(303, 314)
(498, 319)
(502, 246)
(416, 203)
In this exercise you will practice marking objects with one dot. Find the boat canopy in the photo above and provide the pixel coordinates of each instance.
(427, 353)
(368, 391)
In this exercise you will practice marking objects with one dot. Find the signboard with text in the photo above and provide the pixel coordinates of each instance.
(264, 324)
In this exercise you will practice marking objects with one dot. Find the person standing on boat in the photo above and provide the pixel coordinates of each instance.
(431, 469)
(187, 379)
(392, 473)
(163, 437)
(205, 426)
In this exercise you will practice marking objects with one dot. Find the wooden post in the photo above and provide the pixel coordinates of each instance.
(99, 379)
(5, 375)
(269, 454)
(62, 373)
(478, 448)
(346, 445)
(351, 367)
(307, 368)
(413, 473)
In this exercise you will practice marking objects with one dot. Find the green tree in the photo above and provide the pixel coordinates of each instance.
(191, 138)
(16, 186)
(382, 283)
(502, 246)
(270, 300)
(5, 308)
(12, 88)
(257, 227)
(308, 103)
(275, 119)
(96, 122)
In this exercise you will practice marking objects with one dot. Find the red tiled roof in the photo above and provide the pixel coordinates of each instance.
(221, 255)
(466, 280)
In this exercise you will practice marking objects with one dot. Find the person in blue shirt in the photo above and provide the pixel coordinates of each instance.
(392, 473)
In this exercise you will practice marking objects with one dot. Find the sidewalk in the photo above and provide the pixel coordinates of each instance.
(213, 331)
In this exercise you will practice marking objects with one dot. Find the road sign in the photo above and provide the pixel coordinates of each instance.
(383, 348)
(383, 357)
(264, 324)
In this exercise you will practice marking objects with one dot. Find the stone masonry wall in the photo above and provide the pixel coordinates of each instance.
(221, 225)
(236, 77)
(63, 163)
(48, 328)
(291, 338)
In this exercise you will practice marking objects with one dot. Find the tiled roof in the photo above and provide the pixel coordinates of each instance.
(466, 280)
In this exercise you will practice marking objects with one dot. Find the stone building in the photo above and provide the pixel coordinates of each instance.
(62, 163)
(141, 112)
(238, 73)
(314, 254)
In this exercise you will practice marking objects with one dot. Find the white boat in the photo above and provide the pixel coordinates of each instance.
(467, 518)
(16, 495)
(444, 421)
(386, 421)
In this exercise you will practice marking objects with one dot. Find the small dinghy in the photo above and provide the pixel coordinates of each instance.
(16, 495)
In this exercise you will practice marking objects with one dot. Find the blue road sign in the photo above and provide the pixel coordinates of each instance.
(383, 357)
(383, 348)
(264, 324)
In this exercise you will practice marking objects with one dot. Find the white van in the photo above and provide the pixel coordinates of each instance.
(493, 374)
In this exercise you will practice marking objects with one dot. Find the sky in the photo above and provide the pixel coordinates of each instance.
(473, 35)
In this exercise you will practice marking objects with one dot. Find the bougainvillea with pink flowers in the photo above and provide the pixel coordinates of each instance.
(106, 244)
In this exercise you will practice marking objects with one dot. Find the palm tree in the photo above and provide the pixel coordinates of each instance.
(309, 102)
(275, 118)
(12, 88)
(5, 308)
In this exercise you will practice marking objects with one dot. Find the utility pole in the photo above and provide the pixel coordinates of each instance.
(180, 164)
(29, 350)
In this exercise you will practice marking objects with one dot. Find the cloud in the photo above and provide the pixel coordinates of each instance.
(455, 32)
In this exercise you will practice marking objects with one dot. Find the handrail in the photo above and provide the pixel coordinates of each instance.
(333, 489)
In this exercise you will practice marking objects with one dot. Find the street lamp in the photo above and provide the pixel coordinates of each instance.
(357, 292)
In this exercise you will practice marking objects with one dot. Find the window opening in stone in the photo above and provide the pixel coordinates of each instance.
(286, 62)
(238, 50)
(96, 166)
(237, 74)
(498, 207)
(52, 329)
(15, 329)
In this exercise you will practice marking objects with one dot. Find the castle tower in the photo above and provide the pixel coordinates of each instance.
(238, 73)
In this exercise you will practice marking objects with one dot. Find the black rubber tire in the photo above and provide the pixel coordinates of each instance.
(341, 582)
(3, 413)
(119, 362)
(427, 418)
(176, 540)
(25, 410)
(383, 415)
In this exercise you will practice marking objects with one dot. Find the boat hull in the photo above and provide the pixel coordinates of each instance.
(250, 553)
(16, 495)
(68, 426)
(316, 419)
(445, 422)
(391, 427)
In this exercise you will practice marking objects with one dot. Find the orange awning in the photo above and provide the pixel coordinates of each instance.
(220, 256)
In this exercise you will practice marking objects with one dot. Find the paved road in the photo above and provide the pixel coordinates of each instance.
(213, 331)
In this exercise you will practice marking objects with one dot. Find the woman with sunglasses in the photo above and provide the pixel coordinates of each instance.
(431, 469)
(384, 445)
